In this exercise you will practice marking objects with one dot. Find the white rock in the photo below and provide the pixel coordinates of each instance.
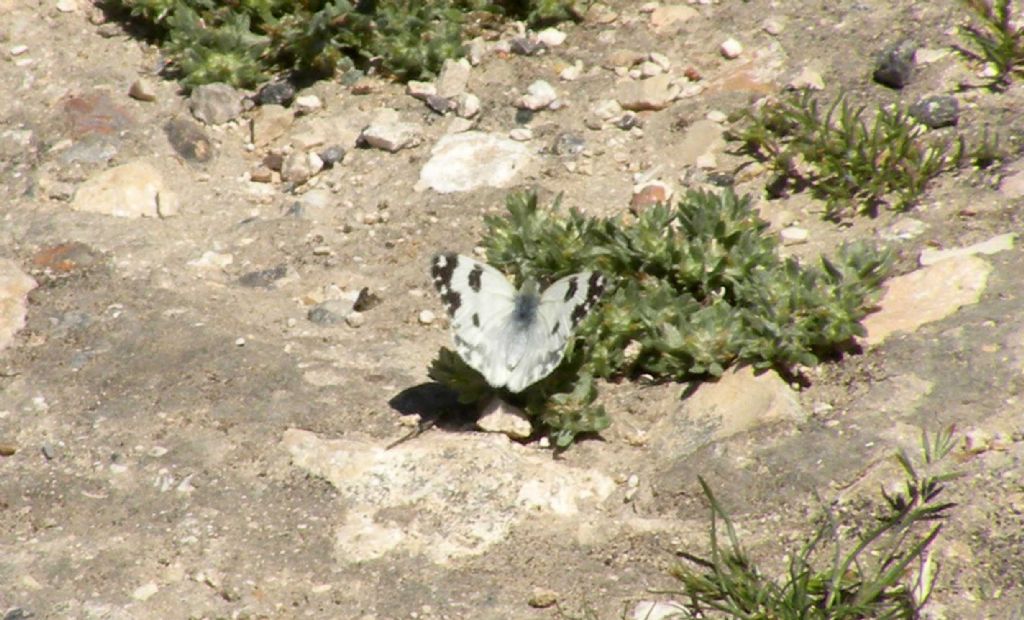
(427, 317)
(661, 60)
(390, 134)
(18, 50)
(467, 105)
(999, 243)
(521, 134)
(135, 189)
(355, 319)
(453, 78)
(476, 51)
(572, 72)
(606, 109)
(706, 161)
(807, 79)
(793, 235)
(539, 96)
(501, 417)
(212, 260)
(650, 69)
(773, 26)
(144, 592)
(731, 48)
(308, 103)
(15, 286)
(420, 90)
(551, 37)
(67, 6)
(659, 610)
(466, 161)
(717, 116)
(653, 93)
(300, 166)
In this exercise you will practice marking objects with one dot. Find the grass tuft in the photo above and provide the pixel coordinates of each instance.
(827, 579)
(993, 39)
(855, 162)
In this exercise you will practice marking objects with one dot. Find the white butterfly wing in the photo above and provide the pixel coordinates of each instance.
(479, 300)
(561, 308)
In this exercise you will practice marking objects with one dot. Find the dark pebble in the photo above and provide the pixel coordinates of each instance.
(628, 121)
(438, 104)
(525, 47)
(18, 614)
(568, 144)
(278, 92)
(332, 155)
(330, 312)
(936, 111)
(524, 116)
(48, 451)
(274, 161)
(895, 64)
(366, 300)
(189, 140)
(264, 278)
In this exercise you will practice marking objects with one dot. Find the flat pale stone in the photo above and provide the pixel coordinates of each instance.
(654, 93)
(739, 401)
(465, 161)
(135, 189)
(999, 243)
(926, 295)
(15, 286)
(666, 19)
(456, 496)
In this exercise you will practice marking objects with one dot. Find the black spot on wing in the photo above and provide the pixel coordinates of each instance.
(571, 291)
(595, 288)
(476, 320)
(442, 268)
(554, 330)
(475, 274)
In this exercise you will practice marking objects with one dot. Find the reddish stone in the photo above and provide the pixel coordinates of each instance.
(65, 257)
(95, 113)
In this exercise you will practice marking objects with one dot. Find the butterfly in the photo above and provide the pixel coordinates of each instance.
(513, 338)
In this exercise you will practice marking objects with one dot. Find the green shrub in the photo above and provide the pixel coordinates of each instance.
(695, 288)
(244, 42)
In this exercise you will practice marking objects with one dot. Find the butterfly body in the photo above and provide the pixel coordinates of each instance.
(513, 338)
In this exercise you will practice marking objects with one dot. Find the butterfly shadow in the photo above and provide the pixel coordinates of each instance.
(437, 405)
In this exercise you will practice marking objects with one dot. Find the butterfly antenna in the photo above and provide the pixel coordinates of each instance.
(421, 428)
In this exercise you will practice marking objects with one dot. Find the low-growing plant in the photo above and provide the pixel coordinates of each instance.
(694, 288)
(853, 161)
(994, 39)
(830, 578)
(243, 43)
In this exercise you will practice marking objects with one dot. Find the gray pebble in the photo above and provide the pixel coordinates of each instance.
(332, 155)
(330, 312)
(189, 140)
(568, 144)
(49, 451)
(264, 278)
(936, 111)
(278, 92)
(895, 64)
(525, 47)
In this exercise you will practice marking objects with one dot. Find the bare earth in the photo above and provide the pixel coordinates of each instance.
(181, 441)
